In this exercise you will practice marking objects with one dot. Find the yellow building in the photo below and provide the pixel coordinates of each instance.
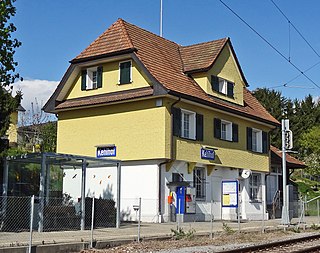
(12, 133)
(179, 117)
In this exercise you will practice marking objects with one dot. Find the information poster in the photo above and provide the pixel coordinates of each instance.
(229, 193)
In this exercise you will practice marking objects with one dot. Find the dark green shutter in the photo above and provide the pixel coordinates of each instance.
(235, 135)
(125, 68)
(265, 142)
(215, 83)
(249, 138)
(217, 128)
(230, 89)
(84, 79)
(99, 76)
(176, 113)
(199, 125)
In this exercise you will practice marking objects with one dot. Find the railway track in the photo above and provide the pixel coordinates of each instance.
(297, 245)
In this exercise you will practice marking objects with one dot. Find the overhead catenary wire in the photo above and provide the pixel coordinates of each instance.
(307, 42)
(273, 47)
(295, 28)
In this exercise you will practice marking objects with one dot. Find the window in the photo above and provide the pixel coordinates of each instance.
(177, 177)
(222, 86)
(91, 78)
(225, 130)
(255, 186)
(199, 182)
(257, 140)
(125, 72)
(187, 124)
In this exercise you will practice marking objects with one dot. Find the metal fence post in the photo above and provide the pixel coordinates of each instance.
(139, 219)
(263, 225)
(211, 220)
(318, 207)
(92, 222)
(31, 224)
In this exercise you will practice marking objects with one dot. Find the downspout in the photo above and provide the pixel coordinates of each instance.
(167, 161)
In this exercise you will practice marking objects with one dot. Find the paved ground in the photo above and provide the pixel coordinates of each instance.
(130, 231)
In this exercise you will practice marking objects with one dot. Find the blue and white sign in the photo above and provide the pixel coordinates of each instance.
(208, 154)
(106, 151)
(230, 193)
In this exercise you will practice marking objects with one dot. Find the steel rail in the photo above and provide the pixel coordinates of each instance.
(269, 245)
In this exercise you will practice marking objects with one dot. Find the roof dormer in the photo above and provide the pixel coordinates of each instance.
(214, 66)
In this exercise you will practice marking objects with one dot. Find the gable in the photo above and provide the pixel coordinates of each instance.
(225, 67)
(110, 80)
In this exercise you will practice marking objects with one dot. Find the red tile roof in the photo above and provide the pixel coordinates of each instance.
(105, 98)
(291, 161)
(167, 62)
(194, 58)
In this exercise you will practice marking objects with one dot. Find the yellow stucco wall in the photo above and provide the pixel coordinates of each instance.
(110, 81)
(12, 131)
(226, 68)
(137, 129)
(230, 154)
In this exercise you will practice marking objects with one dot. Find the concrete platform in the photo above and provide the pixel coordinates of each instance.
(74, 241)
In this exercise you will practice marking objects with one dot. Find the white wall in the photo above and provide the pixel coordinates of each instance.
(137, 181)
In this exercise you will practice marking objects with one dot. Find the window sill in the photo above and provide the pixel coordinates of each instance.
(225, 140)
(203, 199)
(125, 83)
(189, 139)
(223, 94)
(258, 201)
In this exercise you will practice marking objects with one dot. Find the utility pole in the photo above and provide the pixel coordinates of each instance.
(161, 12)
(286, 143)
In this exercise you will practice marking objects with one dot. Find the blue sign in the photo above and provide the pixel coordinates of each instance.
(208, 154)
(230, 193)
(106, 151)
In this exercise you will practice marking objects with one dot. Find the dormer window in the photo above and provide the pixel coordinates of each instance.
(91, 78)
(222, 86)
(125, 72)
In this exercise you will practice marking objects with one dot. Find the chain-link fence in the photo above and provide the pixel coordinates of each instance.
(22, 225)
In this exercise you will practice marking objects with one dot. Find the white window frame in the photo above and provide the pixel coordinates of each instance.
(227, 134)
(90, 82)
(119, 75)
(255, 187)
(256, 140)
(188, 128)
(222, 85)
(199, 183)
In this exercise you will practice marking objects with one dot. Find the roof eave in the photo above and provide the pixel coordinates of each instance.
(100, 56)
(220, 107)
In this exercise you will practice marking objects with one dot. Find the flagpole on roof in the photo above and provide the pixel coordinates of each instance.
(160, 18)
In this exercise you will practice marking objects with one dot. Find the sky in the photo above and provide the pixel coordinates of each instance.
(54, 32)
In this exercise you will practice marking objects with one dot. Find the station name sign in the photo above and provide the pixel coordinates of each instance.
(207, 154)
(106, 151)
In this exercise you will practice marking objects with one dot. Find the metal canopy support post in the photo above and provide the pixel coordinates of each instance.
(5, 188)
(285, 207)
(41, 191)
(118, 193)
(83, 193)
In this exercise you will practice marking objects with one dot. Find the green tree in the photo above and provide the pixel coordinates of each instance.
(310, 149)
(8, 74)
(48, 135)
(274, 103)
